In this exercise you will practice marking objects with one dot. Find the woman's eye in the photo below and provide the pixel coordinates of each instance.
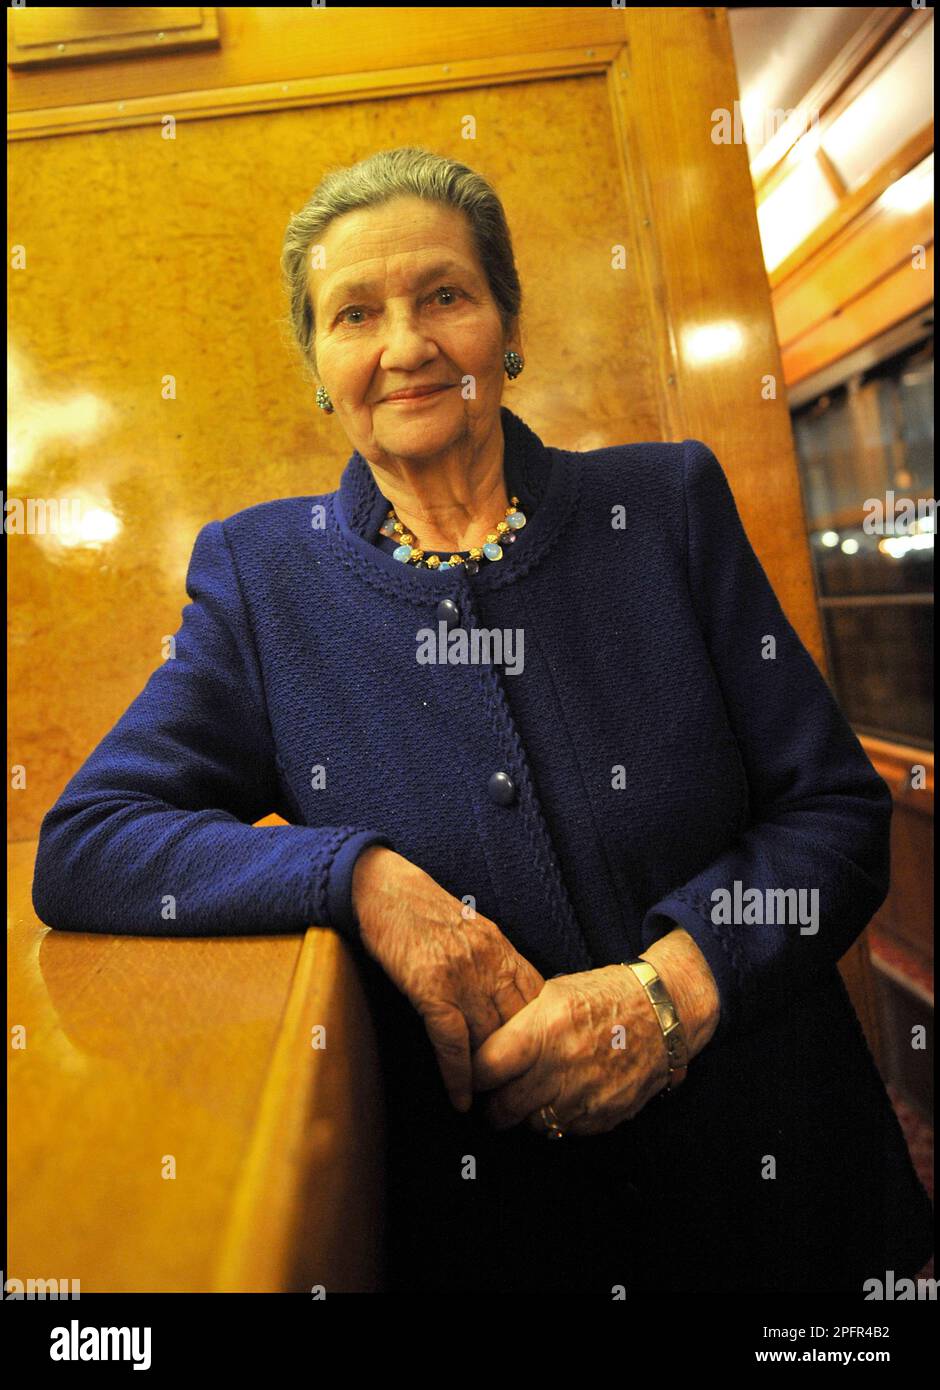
(354, 309)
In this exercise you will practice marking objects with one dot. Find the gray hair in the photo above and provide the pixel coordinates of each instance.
(389, 174)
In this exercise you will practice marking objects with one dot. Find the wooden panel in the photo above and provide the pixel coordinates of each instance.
(139, 1048)
(907, 916)
(896, 763)
(883, 304)
(51, 35)
(282, 56)
(307, 1208)
(711, 293)
(911, 153)
(879, 243)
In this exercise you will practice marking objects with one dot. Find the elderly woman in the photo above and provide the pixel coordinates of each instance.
(559, 769)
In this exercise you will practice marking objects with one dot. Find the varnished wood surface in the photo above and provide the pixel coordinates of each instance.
(43, 37)
(273, 56)
(876, 245)
(877, 305)
(907, 916)
(141, 1050)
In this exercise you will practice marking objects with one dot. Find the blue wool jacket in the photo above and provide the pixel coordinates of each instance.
(655, 750)
(668, 737)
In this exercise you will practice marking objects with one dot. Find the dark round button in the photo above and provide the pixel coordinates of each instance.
(502, 788)
(448, 612)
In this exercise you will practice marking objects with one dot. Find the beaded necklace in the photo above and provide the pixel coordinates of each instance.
(410, 554)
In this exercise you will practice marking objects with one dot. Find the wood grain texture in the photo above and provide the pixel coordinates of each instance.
(139, 1049)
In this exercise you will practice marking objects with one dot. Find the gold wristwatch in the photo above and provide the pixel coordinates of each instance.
(668, 1018)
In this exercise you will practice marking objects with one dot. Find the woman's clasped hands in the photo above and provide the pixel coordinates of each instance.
(587, 1044)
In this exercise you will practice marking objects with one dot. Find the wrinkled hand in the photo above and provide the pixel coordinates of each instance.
(462, 975)
(589, 1045)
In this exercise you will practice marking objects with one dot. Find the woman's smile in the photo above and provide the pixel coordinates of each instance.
(418, 399)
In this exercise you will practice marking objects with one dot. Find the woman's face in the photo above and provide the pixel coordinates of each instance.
(402, 301)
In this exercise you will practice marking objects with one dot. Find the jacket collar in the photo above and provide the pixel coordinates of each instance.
(535, 474)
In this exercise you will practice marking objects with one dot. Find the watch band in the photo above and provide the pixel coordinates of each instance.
(668, 1019)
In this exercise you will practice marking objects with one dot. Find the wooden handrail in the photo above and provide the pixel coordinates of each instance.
(172, 1129)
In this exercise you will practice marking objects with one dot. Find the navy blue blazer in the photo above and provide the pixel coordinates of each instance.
(667, 753)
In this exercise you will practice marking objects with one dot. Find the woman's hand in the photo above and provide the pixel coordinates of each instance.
(562, 1050)
(590, 1044)
(456, 967)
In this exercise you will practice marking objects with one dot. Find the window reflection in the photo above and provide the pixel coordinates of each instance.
(865, 450)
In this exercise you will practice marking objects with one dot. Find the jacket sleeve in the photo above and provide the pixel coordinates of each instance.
(820, 814)
(154, 834)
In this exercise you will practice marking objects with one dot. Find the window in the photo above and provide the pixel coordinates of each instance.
(865, 449)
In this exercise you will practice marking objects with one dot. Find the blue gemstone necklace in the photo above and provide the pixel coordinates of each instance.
(409, 553)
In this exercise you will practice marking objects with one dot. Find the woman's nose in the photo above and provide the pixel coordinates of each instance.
(407, 349)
